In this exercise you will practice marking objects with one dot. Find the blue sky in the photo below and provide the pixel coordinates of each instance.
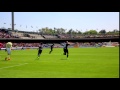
(76, 20)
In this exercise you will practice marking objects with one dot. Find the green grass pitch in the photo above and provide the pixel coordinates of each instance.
(82, 63)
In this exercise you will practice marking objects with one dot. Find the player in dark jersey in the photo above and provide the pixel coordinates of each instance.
(22, 48)
(40, 49)
(51, 48)
(65, 48)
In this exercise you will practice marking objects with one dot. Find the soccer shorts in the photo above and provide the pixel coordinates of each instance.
(8, 51)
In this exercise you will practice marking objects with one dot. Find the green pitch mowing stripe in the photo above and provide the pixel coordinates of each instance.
(82, 63)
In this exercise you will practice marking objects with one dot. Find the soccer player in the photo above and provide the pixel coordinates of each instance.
(96, 45)
(40, 49)
(51, 48)
(65, 48)
(22, 48)
(8, 48)
(16, 47)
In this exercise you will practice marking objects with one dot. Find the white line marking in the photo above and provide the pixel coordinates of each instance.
(13, 66)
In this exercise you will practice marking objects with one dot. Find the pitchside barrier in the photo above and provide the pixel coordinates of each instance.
(4, 40)
(20, 48)
(30, 48)
(75, 46)
(26, 48)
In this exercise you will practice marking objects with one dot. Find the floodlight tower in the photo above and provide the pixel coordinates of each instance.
(12, 21)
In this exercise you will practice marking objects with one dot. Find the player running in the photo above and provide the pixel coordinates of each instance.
(51, 48)
(8, 49)
(40, 49)
(65, 48)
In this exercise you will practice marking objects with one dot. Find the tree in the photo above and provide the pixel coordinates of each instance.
(115, 30)
(110, 32)
(69, 32)
(102, 31)
(93, 32)
(62, 30)
(86, 32)
(79, 32)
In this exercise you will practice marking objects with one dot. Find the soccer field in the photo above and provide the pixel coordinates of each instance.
(82, 63)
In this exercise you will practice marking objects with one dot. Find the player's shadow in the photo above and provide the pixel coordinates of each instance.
(4, 60)
(36, 58)
(63, 59)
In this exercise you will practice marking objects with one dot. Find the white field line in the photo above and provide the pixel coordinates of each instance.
(13, 66)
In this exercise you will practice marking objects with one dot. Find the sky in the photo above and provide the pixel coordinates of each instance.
(81, 21)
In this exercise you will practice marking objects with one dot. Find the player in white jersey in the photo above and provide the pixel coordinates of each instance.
(8, 48)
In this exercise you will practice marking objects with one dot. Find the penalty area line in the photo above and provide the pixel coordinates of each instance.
(13, 66)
